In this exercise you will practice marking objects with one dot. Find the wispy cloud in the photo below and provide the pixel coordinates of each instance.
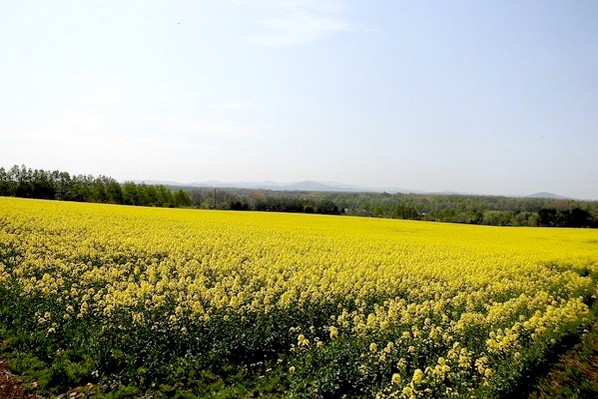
(296, 22)
(91, 133)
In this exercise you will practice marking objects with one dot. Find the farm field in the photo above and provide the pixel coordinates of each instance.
(120, 301)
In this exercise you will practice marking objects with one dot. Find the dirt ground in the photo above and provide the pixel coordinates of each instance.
(575, 375)
(10, 386)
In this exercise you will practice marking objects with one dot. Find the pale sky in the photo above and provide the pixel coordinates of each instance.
(487, 97)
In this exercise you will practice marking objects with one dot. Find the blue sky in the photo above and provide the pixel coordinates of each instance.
(484, 97)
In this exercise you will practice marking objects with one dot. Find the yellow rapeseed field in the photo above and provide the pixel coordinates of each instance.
(335, 305)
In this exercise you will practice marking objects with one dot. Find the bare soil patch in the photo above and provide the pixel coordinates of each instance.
(10, 386)
(575, 375)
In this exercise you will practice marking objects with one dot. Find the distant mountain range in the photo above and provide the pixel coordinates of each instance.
(306, 185)
(312, 185)
(546, 195)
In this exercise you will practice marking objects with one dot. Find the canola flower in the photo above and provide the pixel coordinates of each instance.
(426, 309)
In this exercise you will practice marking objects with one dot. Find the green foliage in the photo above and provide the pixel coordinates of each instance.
(28, 183)
(470, 209)
(488, 210)
(575, 375)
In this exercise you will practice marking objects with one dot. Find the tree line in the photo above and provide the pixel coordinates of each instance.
(472, 209)
(263, 200)
(21, 181)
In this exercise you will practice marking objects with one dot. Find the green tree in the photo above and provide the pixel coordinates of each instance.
(182, 198)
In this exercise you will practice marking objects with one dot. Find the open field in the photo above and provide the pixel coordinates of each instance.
(233, 304)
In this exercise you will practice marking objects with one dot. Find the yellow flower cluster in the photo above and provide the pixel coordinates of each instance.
(439, 305)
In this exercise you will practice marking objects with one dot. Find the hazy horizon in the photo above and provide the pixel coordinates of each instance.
(475, 97)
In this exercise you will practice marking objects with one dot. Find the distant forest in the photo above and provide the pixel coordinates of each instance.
(472, 209)
(35, 183)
